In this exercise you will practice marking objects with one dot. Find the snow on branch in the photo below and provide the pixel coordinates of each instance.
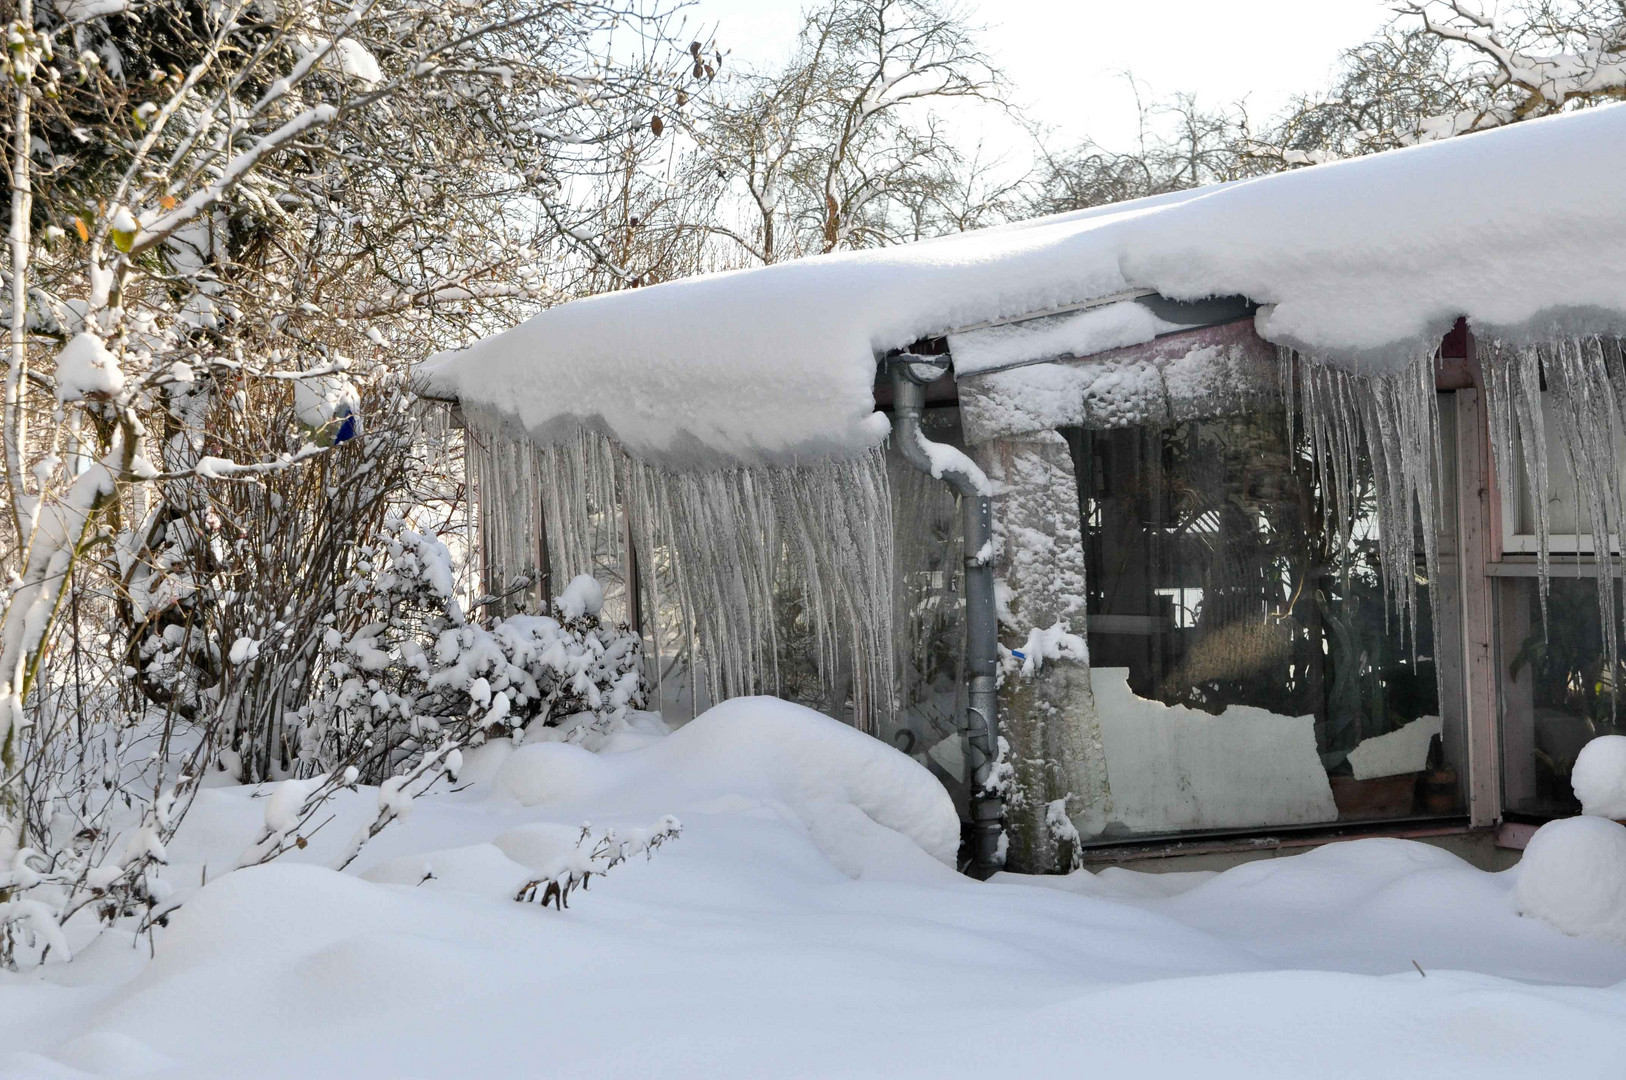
(576, 868)
(1574, 54)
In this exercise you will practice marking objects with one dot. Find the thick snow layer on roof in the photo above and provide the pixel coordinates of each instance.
(1360, 262)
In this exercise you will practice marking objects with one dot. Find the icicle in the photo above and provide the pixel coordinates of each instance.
(1585, 380)
(750, 564)
(502, 475)
(1513, 404)
(1393, 419)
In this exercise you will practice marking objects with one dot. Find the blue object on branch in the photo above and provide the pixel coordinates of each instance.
(349, 428)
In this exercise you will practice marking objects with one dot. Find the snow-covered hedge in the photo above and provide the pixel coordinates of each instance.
(407, 668)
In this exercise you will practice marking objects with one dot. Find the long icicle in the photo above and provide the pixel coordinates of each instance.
(739, 558)
(1393, 419)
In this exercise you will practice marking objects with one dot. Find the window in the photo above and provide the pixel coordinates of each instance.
(1567, 519)
(929, 612)
(1556, 689)
(1556, 686)
(1247, 669)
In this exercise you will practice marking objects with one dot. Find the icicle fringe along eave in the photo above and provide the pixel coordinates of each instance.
(1584, 380)
(1395, 418)
(747, 566)
(720, 554)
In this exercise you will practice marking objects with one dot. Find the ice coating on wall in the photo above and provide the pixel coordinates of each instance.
(1206, 372)
(1364, 263)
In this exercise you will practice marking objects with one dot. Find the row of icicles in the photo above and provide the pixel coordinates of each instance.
(1394, 419)
(719, 555)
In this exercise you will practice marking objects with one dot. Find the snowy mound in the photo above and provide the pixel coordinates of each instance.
(1599, 778)
(1364, 262)
(862, 802)
(1573, 876)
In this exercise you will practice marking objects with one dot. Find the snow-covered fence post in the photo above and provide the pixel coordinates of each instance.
(1058, 781)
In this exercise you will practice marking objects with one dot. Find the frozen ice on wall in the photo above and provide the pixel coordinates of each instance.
(1205, 372)
(1365, 262)
(1172, 768)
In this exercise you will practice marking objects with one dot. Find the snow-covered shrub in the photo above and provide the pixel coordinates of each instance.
(576, 868)
(404, 667)
(1599, 777)
(1573, 876)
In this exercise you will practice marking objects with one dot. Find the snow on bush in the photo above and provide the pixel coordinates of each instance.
(1573, 877)
(1045, 644)
(1599, 777)
(409, 669)
(576, 867)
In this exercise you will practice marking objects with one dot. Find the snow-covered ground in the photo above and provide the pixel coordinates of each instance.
(799, 927)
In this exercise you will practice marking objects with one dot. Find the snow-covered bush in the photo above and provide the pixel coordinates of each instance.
(576, 868)
(404, 667)
(235, 223)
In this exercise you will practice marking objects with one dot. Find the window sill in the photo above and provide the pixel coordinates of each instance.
(1102, 855)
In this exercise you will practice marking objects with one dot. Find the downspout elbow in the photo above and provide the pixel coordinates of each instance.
(939, 460)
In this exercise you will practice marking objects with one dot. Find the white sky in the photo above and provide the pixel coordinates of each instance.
(1064, 58)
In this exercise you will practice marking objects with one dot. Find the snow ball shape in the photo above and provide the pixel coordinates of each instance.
(1573, 877)
(1599, 778)
(583, 596)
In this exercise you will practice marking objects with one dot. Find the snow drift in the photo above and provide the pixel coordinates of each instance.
(742, 951)
(862, 802)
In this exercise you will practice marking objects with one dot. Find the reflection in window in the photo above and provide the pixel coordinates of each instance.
(1558, 692)
(929, 611)
(1247, 668)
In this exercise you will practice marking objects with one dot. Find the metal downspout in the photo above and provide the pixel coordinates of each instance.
(909, 378)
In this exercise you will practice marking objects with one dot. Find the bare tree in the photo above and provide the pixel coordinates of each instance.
(1181, 145)
(232, 226)
(1538, 57)
(841, 147)
(1445, 68)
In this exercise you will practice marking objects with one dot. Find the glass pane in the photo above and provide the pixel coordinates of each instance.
(1557, 690)
(1248, 671)
(929, 611)
(1568, 523)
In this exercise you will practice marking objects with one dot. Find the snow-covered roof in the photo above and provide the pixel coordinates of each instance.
(1361, 262)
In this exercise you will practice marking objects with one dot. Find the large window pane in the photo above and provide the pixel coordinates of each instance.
(1248, 670)
(1558, 692)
